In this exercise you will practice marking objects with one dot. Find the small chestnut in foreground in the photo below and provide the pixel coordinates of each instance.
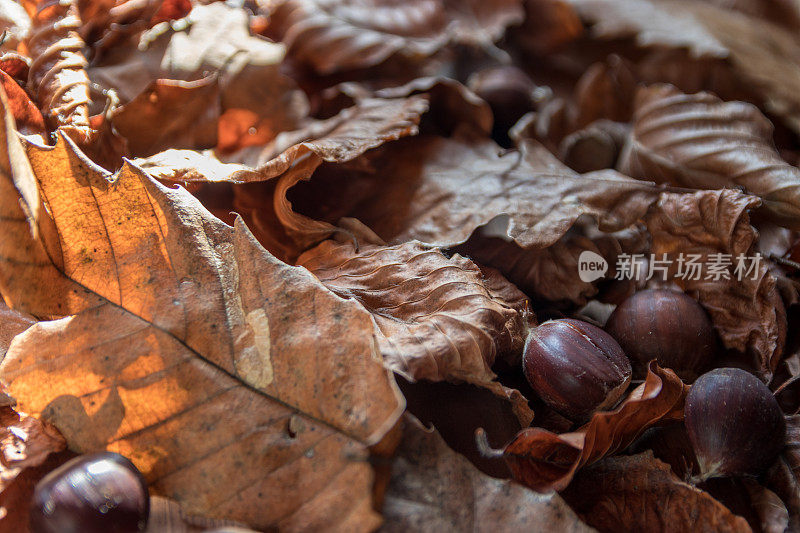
(100, 492)
(734, 424)
(575, 368)
(668, 326)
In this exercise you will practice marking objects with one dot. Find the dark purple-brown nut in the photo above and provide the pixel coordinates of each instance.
(668, 326)
(575, 368)
(734, 423)
(507, 90)
(96, 493)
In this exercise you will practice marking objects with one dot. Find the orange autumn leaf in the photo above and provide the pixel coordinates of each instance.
(188, 348)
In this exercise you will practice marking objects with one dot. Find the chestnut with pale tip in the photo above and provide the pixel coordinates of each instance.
(95, 493)
(575, 368)
(668, 326)
(734, 423)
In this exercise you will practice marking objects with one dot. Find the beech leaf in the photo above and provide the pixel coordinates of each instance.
(437, 318)
(748, 314)
(419, 189)
(218, 370)
(640, 493)
(700, 142)
(338, 35)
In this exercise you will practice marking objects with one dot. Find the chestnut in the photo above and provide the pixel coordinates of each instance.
(668, 326)
(575, 368)
(100, 492)
(734, 424)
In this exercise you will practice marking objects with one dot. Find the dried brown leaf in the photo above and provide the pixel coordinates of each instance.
(748, 314)
(57, 76)
(12, 323)
(439, 190)
(28, 450)
(339, 35)
(435, 489)
(213, 39)
(27, 116)
(167, 516)
(438, 318)
(640, 493)
(456, 410)
(545, 461)
(763, 55)
(220, 371)
(170, 114)
(700, 142)
(548, 274)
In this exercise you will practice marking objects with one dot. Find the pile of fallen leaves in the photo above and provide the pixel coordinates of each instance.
(281, 255)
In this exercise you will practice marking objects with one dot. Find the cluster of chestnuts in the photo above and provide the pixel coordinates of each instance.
(734, 423)
(95, 493)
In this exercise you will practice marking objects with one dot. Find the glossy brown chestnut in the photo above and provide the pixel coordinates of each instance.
(734, 423)
(96, 493)
(668, 326)
(575, 367)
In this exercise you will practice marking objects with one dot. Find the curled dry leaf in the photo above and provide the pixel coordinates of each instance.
(700, 142)
(640, 493)
(341, 138)
(456, 410)
(237, 384)
(170, 114)
(437, 318)
(550, 274)
(338, 35)
(57, 76)
(748, 314)
(439, 190)
(29, 449)
(435, 489)
(15, 22)
(761, 54)
(213, 39)
(27, 116)
(545, 461)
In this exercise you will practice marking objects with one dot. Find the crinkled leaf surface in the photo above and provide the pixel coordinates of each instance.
(640, 493)
(336, 35)
(435, 489)
(762, 53)
(439, 190)
(239, 385)
(212, 39)
(546, 461)
(748, 314)
(28, 450)
(438, 318)
(700, 142)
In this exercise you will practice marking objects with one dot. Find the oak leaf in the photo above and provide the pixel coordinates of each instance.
(239, 385)
(700, 142)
